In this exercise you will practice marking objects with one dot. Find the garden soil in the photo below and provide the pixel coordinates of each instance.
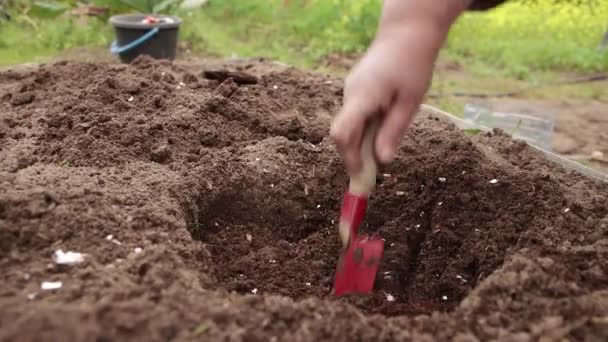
(205, 195)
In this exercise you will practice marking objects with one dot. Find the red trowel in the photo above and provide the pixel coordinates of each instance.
(361, 254)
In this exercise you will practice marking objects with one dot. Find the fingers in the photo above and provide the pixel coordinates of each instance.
(347, 131)
(397, 120)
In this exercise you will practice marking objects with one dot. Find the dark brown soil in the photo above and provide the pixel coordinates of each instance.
(220, 192)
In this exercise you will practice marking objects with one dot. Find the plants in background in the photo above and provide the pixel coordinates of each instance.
(52, 8)
(153, 6)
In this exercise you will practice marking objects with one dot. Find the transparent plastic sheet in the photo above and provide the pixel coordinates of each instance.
(534, 129)
(563, 162)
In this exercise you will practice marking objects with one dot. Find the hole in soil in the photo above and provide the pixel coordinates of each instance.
(272, 229)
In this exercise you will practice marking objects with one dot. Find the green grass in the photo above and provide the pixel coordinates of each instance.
(517, 38)
(28, 41)
(514, 40)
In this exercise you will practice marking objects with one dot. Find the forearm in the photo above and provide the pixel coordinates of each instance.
(438, 13)
(418, 28)
(431, 18)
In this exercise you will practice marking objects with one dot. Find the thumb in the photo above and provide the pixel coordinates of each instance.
(398, 118)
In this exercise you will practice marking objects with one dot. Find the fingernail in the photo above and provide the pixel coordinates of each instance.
(387, 154)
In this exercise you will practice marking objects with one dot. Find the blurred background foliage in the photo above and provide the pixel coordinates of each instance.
(520, 36)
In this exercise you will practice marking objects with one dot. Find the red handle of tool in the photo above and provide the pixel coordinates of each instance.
(353, 211)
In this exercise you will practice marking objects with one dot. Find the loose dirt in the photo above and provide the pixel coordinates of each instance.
(205, 195)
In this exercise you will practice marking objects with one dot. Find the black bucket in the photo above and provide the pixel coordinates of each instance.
(137, 35)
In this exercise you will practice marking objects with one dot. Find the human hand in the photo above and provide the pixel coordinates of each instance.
(391, 79)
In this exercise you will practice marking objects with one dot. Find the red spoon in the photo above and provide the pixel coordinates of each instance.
(361, 254)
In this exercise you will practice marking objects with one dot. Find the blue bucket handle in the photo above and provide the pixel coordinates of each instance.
(116, 50)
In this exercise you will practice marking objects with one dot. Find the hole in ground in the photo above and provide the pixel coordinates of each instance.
(269, 235)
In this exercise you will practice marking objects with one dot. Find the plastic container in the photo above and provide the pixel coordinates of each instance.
(535, 129)
(140, 34)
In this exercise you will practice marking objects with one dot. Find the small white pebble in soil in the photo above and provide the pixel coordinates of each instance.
(307, 284)
(463, 172)
(494, 181)
(392, 244)
(27, 276)
(257, 159)
(422, 187)
(390, 298)
(318, 206)
(566, 210)
(333, 222)
(130, 99)
(440, 204)
(182, 84)
(216, 224)
(51, 285)
(162, 73)
(129, 218)
(417, 226)
(254, 291)
(138, 250)
(31, 296)
(265, 171)
(477, 230)
(421, 213)
(400, 193)
(387, 175)
(67, 258)
(272, 185)
(116, 242)
(387, 272)
(444, 297)
(442, 179)
(109, 237)
(248, 237)
(272, 261)
(461, 278)
(275, 87)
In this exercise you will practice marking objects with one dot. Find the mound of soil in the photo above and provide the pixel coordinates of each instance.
(205, 195)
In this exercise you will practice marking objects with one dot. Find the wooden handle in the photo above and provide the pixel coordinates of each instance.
(363, 182)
